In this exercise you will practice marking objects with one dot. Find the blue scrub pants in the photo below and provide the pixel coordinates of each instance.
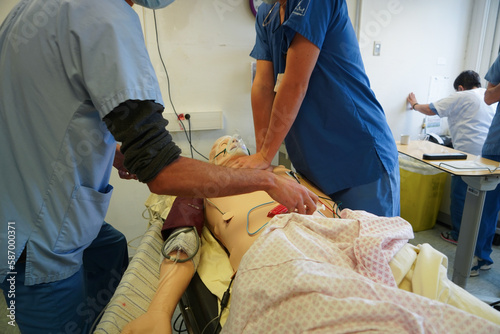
(71, 305)
(380, 198)
(489, 219)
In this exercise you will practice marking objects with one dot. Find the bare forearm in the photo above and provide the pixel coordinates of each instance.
(285, 109)
(193, 178)
(492, 94)
(302, 56)
(262, 103)
(262, 99)
(424, 109)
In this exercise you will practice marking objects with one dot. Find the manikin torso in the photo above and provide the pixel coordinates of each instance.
(229, 225)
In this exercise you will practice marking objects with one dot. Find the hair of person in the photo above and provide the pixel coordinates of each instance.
(467, 79)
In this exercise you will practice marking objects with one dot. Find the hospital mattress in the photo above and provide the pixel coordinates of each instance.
(138, 285)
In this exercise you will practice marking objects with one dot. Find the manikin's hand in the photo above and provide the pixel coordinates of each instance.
(118, 164)
(256, 161)
(294, 196)
(149, 323)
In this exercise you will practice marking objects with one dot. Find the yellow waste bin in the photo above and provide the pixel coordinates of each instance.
(421, 192)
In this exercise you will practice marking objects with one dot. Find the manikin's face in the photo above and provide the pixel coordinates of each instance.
(227, 148)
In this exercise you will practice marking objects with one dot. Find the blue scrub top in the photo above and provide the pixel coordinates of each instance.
(64, 65)
(492, 144)
(340, 138)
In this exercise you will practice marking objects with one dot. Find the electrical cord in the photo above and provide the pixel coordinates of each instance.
(188, 137)
(188, 117)
(208, 324)
(179, 329)
(223, 303)
(337, 209)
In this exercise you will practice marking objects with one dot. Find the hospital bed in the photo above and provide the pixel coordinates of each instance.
(199, 304)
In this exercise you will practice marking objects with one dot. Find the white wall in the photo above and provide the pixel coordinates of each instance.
(419, 39)
(205, 46)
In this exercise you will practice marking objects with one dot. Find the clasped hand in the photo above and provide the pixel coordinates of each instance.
(291, 194)
(255, 161)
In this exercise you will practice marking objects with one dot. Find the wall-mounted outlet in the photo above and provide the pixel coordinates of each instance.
(202, 120)
(376, 48)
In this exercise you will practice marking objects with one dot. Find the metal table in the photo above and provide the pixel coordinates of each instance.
(479, 181)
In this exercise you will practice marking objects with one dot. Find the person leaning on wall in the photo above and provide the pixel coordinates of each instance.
(75, 79)
(469, 119)
(311, 91)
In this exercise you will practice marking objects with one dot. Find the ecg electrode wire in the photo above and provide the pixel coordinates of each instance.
(248, 218)
(215, 206)
(208, 324)
(170, 94)
(336, 212)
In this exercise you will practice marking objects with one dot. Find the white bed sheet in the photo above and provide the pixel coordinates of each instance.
(317, 275)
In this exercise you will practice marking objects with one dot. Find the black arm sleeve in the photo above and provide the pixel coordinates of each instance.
(146, 144)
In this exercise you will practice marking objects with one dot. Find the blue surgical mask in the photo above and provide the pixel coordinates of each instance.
(153, 4)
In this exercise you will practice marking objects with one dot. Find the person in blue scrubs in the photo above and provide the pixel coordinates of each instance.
(491, 150)
(75, 79)
(311, 90)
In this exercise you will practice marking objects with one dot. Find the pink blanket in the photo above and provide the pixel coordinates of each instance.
(315, 275)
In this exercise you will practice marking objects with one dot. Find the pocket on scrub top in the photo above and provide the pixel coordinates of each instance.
(83, 219)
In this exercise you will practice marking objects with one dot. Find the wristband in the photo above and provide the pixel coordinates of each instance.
(413, 106)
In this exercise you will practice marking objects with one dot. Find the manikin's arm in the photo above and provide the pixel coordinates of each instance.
(301, 59)
(174, 280)
(492, 94)
(422, 108)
